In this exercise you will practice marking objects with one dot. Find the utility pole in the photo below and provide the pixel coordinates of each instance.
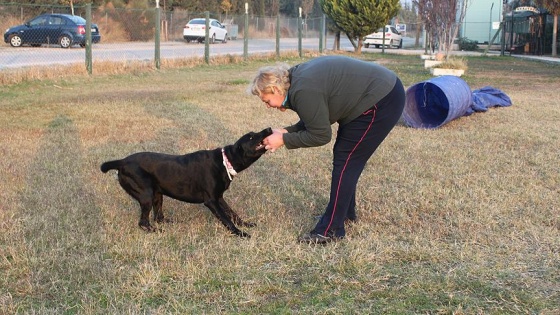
(503, 43)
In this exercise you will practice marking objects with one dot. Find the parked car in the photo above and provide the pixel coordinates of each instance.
(392, 38)
(195, 30)
(63, 29)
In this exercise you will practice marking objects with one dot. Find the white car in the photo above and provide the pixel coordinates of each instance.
(195, 30)
(392, 38)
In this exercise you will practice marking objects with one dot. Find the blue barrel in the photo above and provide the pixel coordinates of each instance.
(435, 102)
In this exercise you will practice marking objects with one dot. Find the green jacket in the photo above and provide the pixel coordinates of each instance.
(332, 89)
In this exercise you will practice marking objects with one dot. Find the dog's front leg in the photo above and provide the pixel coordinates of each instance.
(220, 213)
(232, 215)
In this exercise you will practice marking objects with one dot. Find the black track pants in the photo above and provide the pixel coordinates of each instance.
(355, 143)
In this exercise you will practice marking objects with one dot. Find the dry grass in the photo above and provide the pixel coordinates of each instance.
(459, 220)
(453, 63)
(104, 68)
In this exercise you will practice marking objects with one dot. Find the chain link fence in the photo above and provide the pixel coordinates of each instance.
(133, 33)
(130, 34)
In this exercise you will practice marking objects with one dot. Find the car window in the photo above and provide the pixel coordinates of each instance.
(56, 20)
(394, 30)
(77, 19)
(198, 21)
(42, 20)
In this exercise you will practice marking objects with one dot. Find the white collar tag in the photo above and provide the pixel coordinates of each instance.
(229, 169)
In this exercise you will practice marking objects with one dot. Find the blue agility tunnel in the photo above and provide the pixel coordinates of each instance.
(435, 102)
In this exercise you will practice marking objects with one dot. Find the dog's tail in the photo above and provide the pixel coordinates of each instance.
(110, 165)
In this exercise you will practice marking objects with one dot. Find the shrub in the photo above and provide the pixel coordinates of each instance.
(467, 44)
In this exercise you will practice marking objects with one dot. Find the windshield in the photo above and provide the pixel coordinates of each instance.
(197, 21)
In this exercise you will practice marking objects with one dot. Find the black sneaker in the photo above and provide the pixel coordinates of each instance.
(314, 238)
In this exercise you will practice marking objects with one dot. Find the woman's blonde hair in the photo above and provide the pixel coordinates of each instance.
(269, 77)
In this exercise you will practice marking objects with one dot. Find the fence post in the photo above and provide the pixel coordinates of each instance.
(246, 33)
(89, 63)
(157, 57)
(278, 35)
(207, 36)
(322, 34)
(300, 30)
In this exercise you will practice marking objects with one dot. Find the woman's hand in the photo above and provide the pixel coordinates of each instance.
(275, 140)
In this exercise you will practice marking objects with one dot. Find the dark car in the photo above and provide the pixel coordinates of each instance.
(63, 29)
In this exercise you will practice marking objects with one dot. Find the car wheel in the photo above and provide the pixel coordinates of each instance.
(225, 39)
(400, 44)
(213, 39)
(366, 45)
(376, 46)
(65, 41)
(15, 40)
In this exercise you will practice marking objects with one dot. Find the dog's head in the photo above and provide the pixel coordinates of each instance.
(251, 144)
(248, 149)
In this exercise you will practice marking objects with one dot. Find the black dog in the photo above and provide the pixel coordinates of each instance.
(198, 177)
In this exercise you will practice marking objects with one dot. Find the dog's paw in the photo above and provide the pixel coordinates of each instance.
(150, 229)
(245, 235)
(248, 224)
(240, 234)
(165, 220)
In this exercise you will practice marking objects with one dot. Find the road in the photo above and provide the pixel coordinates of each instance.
(11, 57)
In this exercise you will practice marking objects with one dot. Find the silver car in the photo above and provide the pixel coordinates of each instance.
(195, 30)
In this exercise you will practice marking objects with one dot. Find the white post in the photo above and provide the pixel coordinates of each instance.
(490, 26)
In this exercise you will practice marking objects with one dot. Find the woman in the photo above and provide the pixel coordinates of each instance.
(364, 98)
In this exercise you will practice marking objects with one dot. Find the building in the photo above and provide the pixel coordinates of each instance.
(482, 20)
(528, 30)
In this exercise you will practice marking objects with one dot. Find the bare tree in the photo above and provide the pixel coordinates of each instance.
(307, 6)
(275, 7)
(428, 19)
(442, 20)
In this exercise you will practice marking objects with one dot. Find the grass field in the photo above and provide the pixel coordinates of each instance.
(464, 219)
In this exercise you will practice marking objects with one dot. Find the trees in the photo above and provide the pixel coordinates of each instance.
(442, 19)
(235, 7)
(357, 18)
(553, 7)
(409, 14)
(428, 19)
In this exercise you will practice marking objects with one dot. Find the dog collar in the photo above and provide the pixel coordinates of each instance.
(229, 169)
